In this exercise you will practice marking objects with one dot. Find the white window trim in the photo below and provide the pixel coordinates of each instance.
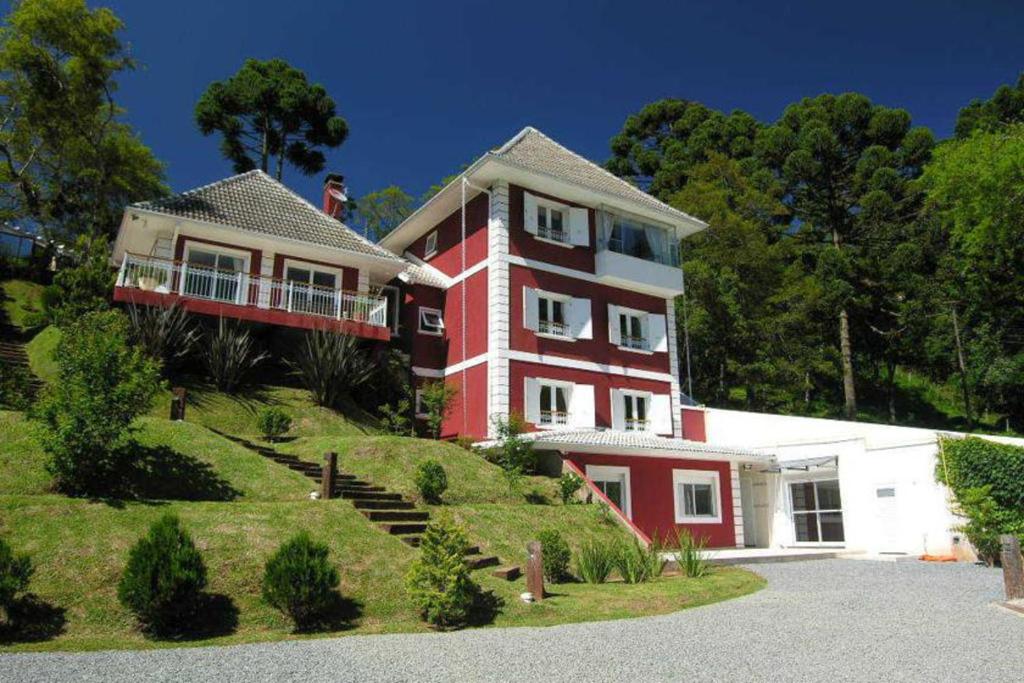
(648, 397)
(419, 326)
(566, 302)
(597, 473)
(557, 206)
(416, 406)
(696, 477)
(556, 384)
(246, 256)
(642, 315)
(430, 246)
(338, 273)
(813, 479)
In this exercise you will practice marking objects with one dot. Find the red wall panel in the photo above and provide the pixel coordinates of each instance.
(448, 258)
(349, 275)
(471, 392)
(426, 350)
(651, 494)
(522, 243)
(475, 287)
(693, 424)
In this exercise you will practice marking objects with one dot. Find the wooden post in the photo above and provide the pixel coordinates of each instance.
(330, 468)
(535, 570)
(1013, 567)
(178, 403)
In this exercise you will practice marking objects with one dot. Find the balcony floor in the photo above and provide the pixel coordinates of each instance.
(252, 313)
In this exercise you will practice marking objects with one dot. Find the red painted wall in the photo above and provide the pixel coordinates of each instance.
(349, 275)
(425, 350)
(693, 424)
(603, 384)
(522, 243)
(651, 494)
(471, 392)
(475, 287)
(448, 258)
(598, 349)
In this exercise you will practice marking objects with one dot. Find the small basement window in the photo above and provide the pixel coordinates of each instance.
(431, 321)
(430, 248)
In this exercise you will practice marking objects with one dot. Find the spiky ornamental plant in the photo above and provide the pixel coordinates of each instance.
(230, 354)
(167, 334)
(439, 582)
(330, 364)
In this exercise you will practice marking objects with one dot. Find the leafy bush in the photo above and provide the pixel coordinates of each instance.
(273, 422)
(103, 385)
(15, 572)
(163, 582)
(167, 334)
(513, 451)
(300, 581)
(435, 401)
(431, 480)
(395, 419)
(556, 556)
(568, 484)
(230, 354)
(987, 479)
(595, 560)
(637, 563)
(439, 582)
(14, 386)
(329, 364)
(692, 558)
(87, 286)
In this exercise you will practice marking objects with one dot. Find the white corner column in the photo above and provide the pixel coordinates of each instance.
(673, 362)
(737, 503)
(498, 312)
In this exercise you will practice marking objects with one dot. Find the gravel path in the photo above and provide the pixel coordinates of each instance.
(828, 620)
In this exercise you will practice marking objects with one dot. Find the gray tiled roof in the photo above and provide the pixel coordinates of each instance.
(534, 151)
(612, 438)
(421, 275)
(256, 202)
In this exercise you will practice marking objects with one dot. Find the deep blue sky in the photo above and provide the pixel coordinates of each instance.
(426, 86)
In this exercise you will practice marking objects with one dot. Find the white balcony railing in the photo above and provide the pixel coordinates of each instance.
(554, 417)
(553, 328)
(162, 276)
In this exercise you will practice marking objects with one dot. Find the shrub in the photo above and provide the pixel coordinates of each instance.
(986, 522)
(568, 484)
(439, 582)
(14, 386)
(167, 334)
(595, 560)
(692, 558)
(273, 422)
(163, 582)
(329, 364)
(556, 556)
(103, 385)
(436, 400)
(85, 287)
(300, 581)
(15, 572)
(431, 480)
(230, 354)
(638, 564)
(395, 419)
(513, 451)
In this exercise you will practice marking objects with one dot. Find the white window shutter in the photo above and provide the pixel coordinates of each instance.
(581, 406)
(656, 332)
(530, 213)
(579, 226)
(614, 333)
(618, 411)
(531, 320)
(581, 320)
(661, 414)
(532, 408)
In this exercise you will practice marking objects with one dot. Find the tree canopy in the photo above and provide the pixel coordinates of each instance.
(270, 111)
(378, 213)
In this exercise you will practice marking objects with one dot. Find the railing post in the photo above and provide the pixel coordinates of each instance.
(238, 289)
(1013, 567)
(290, 288)
(328, 474)
(184, 276)
(337, 304)
(120, 273)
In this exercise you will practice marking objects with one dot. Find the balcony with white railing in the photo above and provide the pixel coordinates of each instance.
(253, 297)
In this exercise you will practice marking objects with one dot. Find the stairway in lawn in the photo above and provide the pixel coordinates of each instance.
(12, 348)
(390, 511)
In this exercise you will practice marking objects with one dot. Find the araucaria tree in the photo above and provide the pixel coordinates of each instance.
(68, 161)
(269, 111)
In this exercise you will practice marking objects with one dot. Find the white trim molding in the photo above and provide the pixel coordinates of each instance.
(697, 477)
(499, 311)
(673, 365)
(574, 364)
(451, 369)
(737, 503)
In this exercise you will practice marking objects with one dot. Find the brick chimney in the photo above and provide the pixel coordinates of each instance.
(335, 196)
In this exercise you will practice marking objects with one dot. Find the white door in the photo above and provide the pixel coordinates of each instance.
(754, 500)
(887, 515)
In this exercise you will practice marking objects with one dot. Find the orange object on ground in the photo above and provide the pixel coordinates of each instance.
(938, 558)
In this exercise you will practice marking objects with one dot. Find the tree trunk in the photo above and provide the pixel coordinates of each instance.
(962, 366)
(890, 390)
(846, 351)
(280, 159)
(807, 388)
(265, 152)
(721, 383)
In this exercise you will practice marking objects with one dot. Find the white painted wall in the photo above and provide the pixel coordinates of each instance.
(870, 456)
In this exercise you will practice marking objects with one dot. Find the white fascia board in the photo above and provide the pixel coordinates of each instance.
(681, 454)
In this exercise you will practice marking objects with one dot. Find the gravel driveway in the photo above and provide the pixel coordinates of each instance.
(828, 620)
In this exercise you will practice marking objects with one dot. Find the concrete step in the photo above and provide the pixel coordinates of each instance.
(382, 505)
(482, 562)
(507, 573)
(361, 494)
(402, 528)
(395, 515)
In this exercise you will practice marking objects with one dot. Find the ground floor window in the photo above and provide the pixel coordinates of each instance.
(817, 511)
(614, 483)
(697, 499)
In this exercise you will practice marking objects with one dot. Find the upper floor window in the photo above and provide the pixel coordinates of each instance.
(555, 222)
(431, 321)
(632, 327)
(557, 315)
(640, 240)
(635, 409)
(641, 411)
(636, 330)
(551, 316)
(551, 404)
(554, 404)
(430, 247)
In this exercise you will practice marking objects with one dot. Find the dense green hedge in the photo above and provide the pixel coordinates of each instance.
(973, 463)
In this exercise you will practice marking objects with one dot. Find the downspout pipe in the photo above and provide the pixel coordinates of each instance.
(462, 249)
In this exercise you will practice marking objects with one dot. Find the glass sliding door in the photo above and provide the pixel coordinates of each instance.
(213, 275)
(312, 291)
(817, 511)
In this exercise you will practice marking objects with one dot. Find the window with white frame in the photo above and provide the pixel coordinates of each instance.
(554, 404)
(613, 482)
(309, 289)
(430, 248)
(635, 411)
(555, 222)
(557, 315)
(697, 496)
(214, 273)
(633, 326)
(431, 321)
(551, 223)
(551, 318)
(635, 330)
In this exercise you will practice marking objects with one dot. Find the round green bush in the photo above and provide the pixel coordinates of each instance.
(300, 581)
(273, 422)
(439, 582)
(163, 582)
(556, 555)
(431, 480)
(15, 571)
(568, 484)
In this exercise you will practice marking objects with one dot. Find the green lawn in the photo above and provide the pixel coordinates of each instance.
(21, 299)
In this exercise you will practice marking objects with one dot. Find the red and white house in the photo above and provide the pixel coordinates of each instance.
(534, 283)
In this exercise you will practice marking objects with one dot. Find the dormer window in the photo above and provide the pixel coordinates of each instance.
(430, 247)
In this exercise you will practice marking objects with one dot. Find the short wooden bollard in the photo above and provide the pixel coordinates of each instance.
(178, 403)
(330, 469)
(1013, 567)
(535, 569)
